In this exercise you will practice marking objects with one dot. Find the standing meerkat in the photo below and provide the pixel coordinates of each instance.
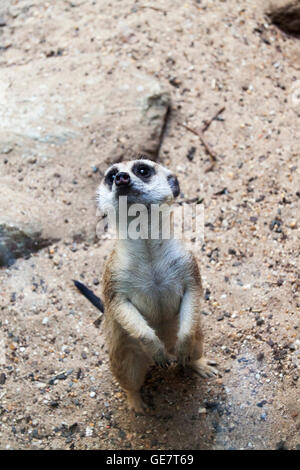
(151, 287)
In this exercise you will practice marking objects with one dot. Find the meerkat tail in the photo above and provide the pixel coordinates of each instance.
(96, 301)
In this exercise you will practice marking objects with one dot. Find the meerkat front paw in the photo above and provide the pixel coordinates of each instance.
(184, 351)
(156, 350)
(204, 367)
(161, 358)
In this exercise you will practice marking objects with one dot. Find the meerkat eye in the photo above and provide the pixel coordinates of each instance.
(143, 171)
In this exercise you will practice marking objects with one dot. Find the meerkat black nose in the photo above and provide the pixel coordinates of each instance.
(122, 179)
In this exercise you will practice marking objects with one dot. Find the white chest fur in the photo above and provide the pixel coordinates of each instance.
(152, 275)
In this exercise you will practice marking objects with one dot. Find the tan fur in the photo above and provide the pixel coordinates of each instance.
(152, 293)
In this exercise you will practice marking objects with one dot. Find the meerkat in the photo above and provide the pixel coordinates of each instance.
(151, 287)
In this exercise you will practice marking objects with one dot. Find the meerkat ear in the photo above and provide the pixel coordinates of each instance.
(174, 184)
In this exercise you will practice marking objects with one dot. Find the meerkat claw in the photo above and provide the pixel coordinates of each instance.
(204, 369)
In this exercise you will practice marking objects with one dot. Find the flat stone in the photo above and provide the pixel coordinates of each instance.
(127, 108)
(18, 240)
(21, 230)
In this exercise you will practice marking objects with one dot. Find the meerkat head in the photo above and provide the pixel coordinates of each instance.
(142, 181)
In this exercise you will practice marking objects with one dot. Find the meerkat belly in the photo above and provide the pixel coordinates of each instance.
(156, 294)
(153, 277)
(157, 302)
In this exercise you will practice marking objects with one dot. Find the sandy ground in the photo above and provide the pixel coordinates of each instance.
(56, 390)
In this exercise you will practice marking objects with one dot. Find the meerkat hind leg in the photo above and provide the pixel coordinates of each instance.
(204, 367)
(135, 401)
(130, 373)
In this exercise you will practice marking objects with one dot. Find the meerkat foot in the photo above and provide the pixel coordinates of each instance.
(204, 367)
(136, 403)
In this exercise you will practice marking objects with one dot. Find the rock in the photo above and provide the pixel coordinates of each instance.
(18, 240)
(87, 121)
(21, 231)
(285, 14)
(126, 108)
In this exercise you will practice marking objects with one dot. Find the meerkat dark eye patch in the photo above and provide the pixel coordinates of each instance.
(174, 184)
(143, 171)
(109, 178)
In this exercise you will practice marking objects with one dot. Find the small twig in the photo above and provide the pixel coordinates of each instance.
(143, 7)
(209, 150)
(152, 8)
(208, 123)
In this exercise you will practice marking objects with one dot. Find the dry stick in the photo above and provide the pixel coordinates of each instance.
(143, 7)
(152, 8)
(210, 152)
(208, 123)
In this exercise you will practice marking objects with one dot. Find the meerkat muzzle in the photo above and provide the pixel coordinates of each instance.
(122, 179)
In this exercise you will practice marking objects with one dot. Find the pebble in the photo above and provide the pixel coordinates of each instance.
(191, 153)
(54, 404)
(61, 376)
(260, 356)
(263, 416)
(2, 378)
(6, 150)
(89, 431)
(261, 403)
(35, 434)
(207, 294)
(31, 159)
(276, 223)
